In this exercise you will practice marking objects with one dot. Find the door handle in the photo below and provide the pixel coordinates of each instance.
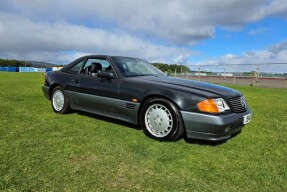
(76, 81)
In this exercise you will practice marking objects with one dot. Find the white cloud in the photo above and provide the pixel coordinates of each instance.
(181, 59)
(257, 31)
(269, 60)
(277, 7)
(27, 38)
(182, 22)
(52, 28)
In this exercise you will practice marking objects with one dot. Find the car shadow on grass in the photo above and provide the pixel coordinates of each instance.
(203, 142)
(110, 120)
(209, 143)
(137, 127)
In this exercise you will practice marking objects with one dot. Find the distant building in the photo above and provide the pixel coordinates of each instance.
(200, 74)
(57, 68)
(225, 74)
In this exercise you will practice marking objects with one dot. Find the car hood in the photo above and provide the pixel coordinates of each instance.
(191, 84)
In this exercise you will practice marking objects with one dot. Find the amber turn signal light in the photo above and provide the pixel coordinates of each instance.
(207, 105)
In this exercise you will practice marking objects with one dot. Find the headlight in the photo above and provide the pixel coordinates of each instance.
(213, 105)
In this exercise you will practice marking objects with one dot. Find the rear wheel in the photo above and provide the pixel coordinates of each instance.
(59, 101)
(161, 120)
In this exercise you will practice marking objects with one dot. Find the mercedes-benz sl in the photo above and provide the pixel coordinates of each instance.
(134, 91)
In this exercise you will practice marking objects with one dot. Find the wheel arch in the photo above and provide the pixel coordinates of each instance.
(52, 87)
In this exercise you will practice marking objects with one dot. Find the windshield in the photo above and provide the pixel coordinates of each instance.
(131, 67)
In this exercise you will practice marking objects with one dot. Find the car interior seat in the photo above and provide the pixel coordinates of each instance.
(94, 68)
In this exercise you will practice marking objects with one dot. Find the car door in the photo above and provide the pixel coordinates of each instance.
(93, 94)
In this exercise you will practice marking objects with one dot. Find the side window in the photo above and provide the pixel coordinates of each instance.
(86, 68)
(105, 64)
(76, 68)
(89, 62)
(92, 66)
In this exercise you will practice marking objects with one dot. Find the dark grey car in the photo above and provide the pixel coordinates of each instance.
(132, 90)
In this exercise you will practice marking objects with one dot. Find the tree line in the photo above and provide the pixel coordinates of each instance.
(14, 63)
(172, 68)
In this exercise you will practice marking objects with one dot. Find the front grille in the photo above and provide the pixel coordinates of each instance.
(232, 127)
(238, 104)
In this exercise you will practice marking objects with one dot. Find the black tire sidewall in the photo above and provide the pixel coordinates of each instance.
(177, 125)
(65, 108)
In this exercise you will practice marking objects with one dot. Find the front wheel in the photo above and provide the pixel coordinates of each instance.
(59, 101)
(161, 120)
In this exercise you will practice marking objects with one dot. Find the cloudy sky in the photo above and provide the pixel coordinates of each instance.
(170, 31)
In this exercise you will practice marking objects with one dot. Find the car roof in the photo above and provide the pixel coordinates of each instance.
(111, 56)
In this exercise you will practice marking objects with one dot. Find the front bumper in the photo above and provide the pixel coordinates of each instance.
(212, 127)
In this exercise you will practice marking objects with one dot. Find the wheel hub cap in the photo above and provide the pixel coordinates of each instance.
(58, 100)
(158, 120)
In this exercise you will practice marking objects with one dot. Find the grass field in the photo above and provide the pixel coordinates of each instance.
(43, 151)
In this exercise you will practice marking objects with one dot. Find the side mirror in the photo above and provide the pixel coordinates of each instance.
(106, 74)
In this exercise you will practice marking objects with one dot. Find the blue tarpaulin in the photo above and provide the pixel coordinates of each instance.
(9, 69)
(3, 68)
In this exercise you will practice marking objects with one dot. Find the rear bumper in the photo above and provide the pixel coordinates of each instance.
(212, 127)
(45, 90)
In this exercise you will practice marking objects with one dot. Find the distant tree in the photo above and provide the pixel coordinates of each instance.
(172, 68)
(169, 72)
(3, 63)
(14, 63)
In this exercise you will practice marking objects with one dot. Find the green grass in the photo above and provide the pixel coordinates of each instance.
(43, 151)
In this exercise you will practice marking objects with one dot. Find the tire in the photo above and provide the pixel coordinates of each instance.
(161, 120)
(59, 101)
